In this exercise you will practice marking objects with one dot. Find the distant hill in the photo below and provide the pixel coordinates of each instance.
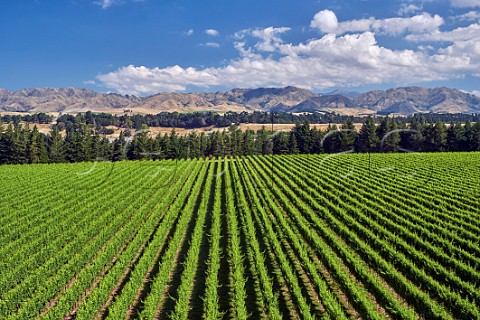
(405, 100)
(68, 100)
(348, 94)
(321, 103)
(418, 99)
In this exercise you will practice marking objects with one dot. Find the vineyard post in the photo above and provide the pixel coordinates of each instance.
(369, 162)
(271, 173)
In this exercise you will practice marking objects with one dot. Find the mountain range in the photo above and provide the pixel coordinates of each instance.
(401, 101)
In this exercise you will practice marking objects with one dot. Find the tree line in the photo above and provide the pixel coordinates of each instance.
(196, 119)
(30, 118)
(205, 119)
(82, 142)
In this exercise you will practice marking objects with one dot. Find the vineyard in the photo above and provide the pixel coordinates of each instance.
(380, 236)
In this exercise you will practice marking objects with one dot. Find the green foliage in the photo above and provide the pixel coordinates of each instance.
(290, 236)
(368, 140)
(84, 142)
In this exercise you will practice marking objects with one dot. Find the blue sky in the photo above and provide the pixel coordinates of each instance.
(147, 46)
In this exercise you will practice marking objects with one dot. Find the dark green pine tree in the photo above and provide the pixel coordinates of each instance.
(138, 147)
(303, 137)
(348, 136)
(413, 139)
(439, 136)
(280, 143)
(260, 138)
(156, 151)
(184, 151)
(468, 142)
(105, 149)
(20, 141)
(224, 144)
(267, 147)
(236, 140)
(193, 145)
(164, 144)
(455, 137)
(332, 141)
(83, 139)
(367, 138)
(476, 136)
(33, 147)
(7, 146)
(131, 149)
(203, 142)
(173, 145)
(70, 146)
(292, 144)
(249, 143)
(384, 127)
(214, 144)
(316, 140)
(118, 149)
(388, 135)
(95, 148)
(2, 129)
(42, 140)
(428, 134)
(55, 146)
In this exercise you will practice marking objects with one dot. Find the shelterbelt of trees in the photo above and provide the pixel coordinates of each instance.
(82, 142)
(206, 119)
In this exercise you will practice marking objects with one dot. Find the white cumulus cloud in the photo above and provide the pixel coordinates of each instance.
(406, 9)
(469, 16)
(212, 32)
(211, 44)
(465, 3)
(142, 80)
(466, 50)
(349, 60)
(459, 34)
(269, 37)
(335, 59)
(326, 22)
(108, 3)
